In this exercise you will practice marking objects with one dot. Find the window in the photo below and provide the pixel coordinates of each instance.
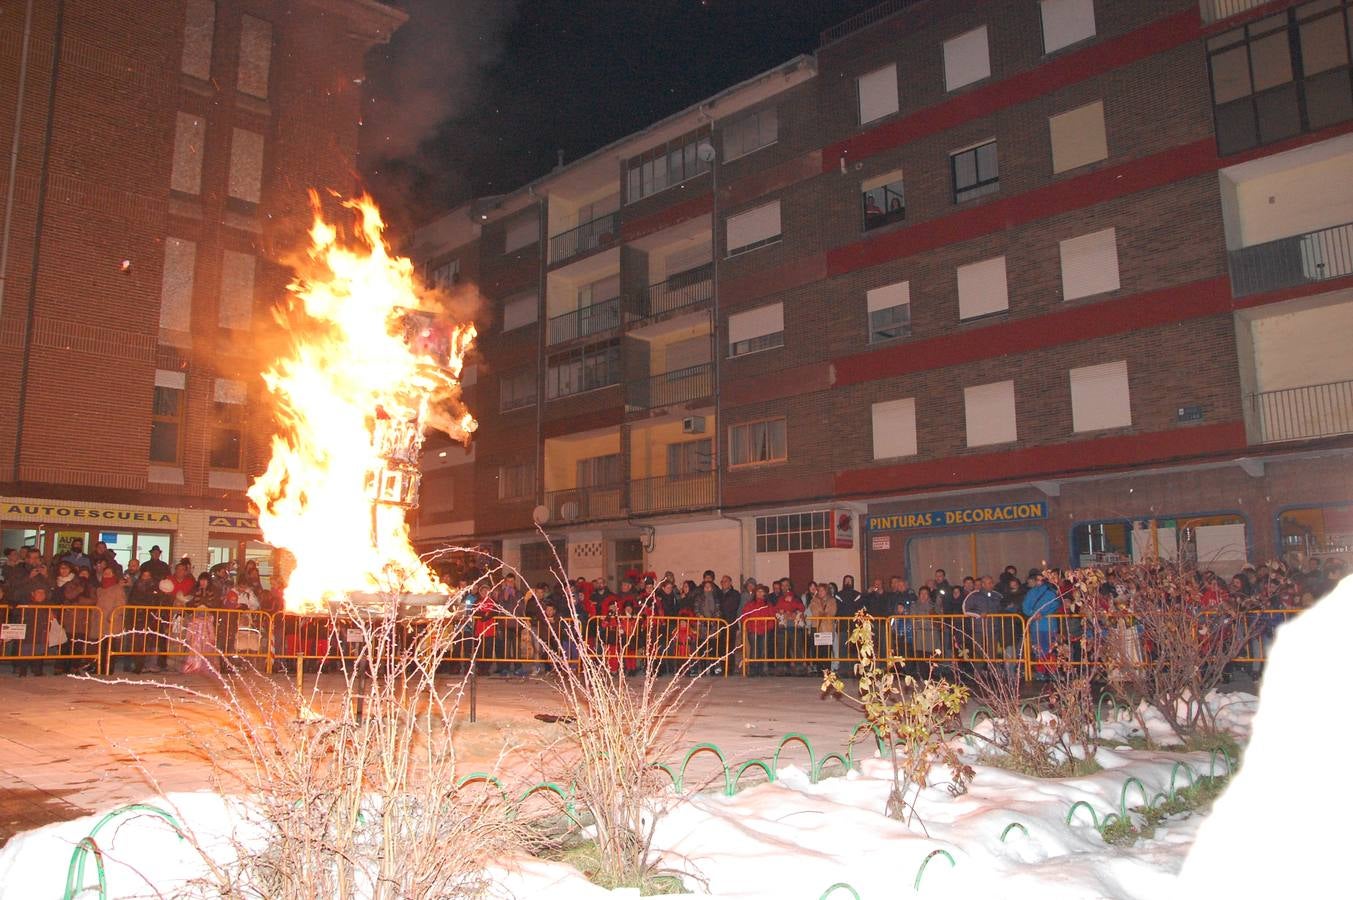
(894, 428)
(444, 274)
(975, 171)
(757, 329)
(185, 173)
(753, 228)
(246, 165)
(198, 25)
(982, 288)
(437, 493)
(757, 442)
(1089, 264)
(236, 307)
(517, 482)
(227, 425)
(176, 286)
(990, 413)
(878, 94)
(751, 132)
(690, 458)
(666, 165)
(517, 390)
(889, 309)
(520, 311)
(587, 370)
(255, 57)
(884, 202)
(166, 418)
(794, 531)
(1078, 137)
(522, 231)
(1066, 22)
(599, 471)
(1099, 397)
(966, 59)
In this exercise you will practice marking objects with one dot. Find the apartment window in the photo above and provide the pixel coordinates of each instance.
(522, 231)
(690, 458)
(227, 425)
(1099, 397)
(794, 531)
(982, 288)
(166, 418)
(176, 286)
(884, 201)
(517, 390)
(1066, 22)
(989, 411)
(757, 442)
(1090, 264)
(1282, 75)
(751, 132)
(599, 471)
(520, 311)
(894, 428)
(185, 172)
(753, 228)
(666, 165)
(878, 94)
(889, 309)
(1078, 137)
(444, 274)
(516, 482)
(437, 493)
(757, 329)
(966, 59)
(198, 25)
(975, 171)
(245, 181)
(255, 57)
(586, 370)
(236, 308)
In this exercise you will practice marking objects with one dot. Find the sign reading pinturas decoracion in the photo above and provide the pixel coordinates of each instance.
(75, 513)
(1023, 511)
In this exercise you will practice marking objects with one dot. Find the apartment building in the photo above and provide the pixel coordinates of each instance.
(1011, 281)
(161, 154)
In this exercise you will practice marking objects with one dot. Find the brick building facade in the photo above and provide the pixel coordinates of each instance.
(1013, 281)
(161, 156)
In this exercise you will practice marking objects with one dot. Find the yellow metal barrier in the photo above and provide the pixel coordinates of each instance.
(629, 640)
(771, 647)
(149, 636)
(34, 635)
(950, 640)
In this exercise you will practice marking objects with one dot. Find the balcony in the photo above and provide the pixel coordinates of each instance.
(1216, 10)
(1302, 413)
(589, 320)
(1292, 261)
(588, 236)
(585, 504)
(669, 493)
(679, 386)
(678, 292)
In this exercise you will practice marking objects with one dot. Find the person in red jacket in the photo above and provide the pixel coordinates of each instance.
(758, 623)
(791, 632)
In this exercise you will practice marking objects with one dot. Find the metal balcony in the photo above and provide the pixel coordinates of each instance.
(1302, 413)
(585, 504)
(1216, 10)
(589, 320)
(678, 386)
(590, 235)
(684, 289)
(1292, 261)
(669, 493)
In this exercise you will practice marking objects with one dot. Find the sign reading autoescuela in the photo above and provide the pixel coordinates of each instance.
(57, 513)
(972, 515)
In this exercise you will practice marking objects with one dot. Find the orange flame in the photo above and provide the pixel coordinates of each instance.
(362, 380)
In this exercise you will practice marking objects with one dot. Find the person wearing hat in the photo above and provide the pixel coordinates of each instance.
(1041, 605)
(159, 569)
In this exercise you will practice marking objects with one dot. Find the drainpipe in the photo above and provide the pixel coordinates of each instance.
(14, 149)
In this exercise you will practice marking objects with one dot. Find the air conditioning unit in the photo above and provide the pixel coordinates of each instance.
(693, 425)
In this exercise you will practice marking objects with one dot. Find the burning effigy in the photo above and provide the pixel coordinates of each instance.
(374, 362)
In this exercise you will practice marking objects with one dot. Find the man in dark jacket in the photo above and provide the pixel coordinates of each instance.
(158, 568)
(942, 592)
(848, 600)
(873, 601)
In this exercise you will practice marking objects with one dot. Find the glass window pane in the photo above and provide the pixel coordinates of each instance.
(1279, 116)
(225, 448)
(147, 539)
(1236, 128)
(1231, 75)
(166, 402)
(1329, 99)
(965, 170)
(1323, 44)
(986, 162)
(164, 442)
(1271, 58)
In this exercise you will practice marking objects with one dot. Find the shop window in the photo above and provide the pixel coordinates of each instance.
(793, 532)
(877, 93)
(629, 555)
(758, 329)
(147, 539)
(121, 543)
(1078, 137)
(227, 426)
(1066, 22)
(966, 59)
(1101, 543)
(19, 538)
(540, 559)
(221, 550)
(883, 200)
(757, 442)
(166, 418)
(1319, 532)
(982, 288)
(976, 171)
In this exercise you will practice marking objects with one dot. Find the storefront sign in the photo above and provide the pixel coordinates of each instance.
(954, 518)
(228, 521)
(881, 542)
(841, 522)
(82, 513)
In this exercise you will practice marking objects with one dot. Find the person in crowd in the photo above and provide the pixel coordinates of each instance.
(108, 557)
(158, 568)
(874, 602)
(758, 624)
(666, 598)
(730, 599)
(848, 600)
(943, 592)
(925, 631)
(39, 637)
(790, 628)
(822, 620)
(199, 631)
(708, 603)
(249, 578)
(1040, 606)
(75, 556)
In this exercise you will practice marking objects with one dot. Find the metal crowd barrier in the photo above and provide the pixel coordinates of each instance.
(628, 641)
(152, 635)
(32, 636)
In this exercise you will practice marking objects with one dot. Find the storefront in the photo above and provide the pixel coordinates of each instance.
(51, 526)
(967, 540)
(236, 538)
(1319, 531)
(1219, 541)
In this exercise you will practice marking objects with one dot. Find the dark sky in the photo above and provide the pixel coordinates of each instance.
(475, 97)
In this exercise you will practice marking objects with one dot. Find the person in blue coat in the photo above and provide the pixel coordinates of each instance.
(1040, 604)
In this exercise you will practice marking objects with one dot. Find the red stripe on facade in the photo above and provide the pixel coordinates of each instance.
(666, 218)
(1048, 461)
(1158, 37)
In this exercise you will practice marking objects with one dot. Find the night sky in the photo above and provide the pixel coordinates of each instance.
(476, 97)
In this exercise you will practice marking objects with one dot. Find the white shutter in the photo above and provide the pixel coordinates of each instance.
(246, 165)
(966, 59)
(519, 311)
(255, 56)
(1066, 21)
(888, 296)
(688, 258)
(236, 306)
(176, 288)
(185, 173)
(1078, 137)
(1090, 264)
(982, 288)
(878, 93)
(990, 413)
(756, 323)
(753, 226)
(522, 232)
(199, 23)
(894, 428)
(686, 354)
(167, 379)
(227, 391)
(1099, 397)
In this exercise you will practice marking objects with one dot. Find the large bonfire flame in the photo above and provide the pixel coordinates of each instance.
(374, 360)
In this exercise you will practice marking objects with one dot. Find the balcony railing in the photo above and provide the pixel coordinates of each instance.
(667, 493)
(589, 235)
(589, 320)
(1293, 261)
(1216, 10)
(678, 386)
(863, 20)
(583, 504)
(689, 288)
(1303, 413)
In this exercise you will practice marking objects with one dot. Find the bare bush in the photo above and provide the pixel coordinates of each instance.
(1023, 740)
